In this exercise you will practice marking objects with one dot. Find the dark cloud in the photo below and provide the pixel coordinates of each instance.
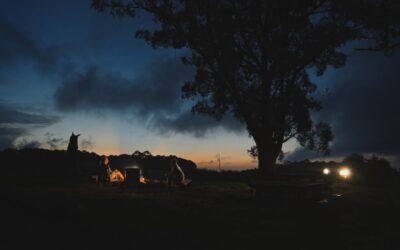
(29, 144)
(301, 154)
(197, 125)
(11, 114)
(156, 88)
(14, 43)
(51, 141)
(154, 95)
(8, 136)
(16, 47)
(363, 107)
(15, 123)
(54, 142)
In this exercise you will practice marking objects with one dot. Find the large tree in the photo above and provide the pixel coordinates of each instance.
(253, 58)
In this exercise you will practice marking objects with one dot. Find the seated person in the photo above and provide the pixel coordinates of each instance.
(106, 175)
(176, 176)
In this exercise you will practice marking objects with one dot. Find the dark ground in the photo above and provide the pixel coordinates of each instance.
(206, 215)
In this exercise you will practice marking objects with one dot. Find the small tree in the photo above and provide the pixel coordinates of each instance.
(253, 58)
(355, 160)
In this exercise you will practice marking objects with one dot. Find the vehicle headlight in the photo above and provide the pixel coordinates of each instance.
(345, 172)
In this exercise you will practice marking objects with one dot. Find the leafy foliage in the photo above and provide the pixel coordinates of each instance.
(254, 58)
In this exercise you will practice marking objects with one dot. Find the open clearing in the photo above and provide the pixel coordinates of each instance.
(207, 215)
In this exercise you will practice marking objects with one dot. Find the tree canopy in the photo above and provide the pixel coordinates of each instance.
(254, 58)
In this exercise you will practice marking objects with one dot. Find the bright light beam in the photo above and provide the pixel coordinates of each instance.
(345, 172)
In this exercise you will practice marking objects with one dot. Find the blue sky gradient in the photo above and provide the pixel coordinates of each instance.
(66, 68)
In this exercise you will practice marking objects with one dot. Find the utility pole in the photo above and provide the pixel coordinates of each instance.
(219, 162)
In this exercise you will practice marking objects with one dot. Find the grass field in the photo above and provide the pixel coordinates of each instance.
(206, 215)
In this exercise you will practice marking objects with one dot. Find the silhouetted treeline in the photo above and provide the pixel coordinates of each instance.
(151, 164)
(54, 164)
(372, 171)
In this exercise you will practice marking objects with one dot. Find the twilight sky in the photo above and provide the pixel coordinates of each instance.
(66, 68)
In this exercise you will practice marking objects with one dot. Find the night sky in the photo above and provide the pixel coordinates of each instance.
(66, 68)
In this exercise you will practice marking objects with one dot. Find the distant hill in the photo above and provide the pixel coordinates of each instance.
(56, 163)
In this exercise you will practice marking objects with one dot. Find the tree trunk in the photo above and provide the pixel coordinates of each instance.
(267, 150)
(266, 162)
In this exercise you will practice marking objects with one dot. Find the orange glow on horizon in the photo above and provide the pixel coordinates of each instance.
(237, 162)
(108, 151)
(203, 160)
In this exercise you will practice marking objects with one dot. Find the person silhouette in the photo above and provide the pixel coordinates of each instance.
(73, 143)
(176, 176)
(104, 170)
(72, 151)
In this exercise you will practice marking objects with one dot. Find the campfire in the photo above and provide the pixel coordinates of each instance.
(135, 175)
(142, 180)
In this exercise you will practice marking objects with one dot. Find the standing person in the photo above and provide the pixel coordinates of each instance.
(72, 151)
(104, 169)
